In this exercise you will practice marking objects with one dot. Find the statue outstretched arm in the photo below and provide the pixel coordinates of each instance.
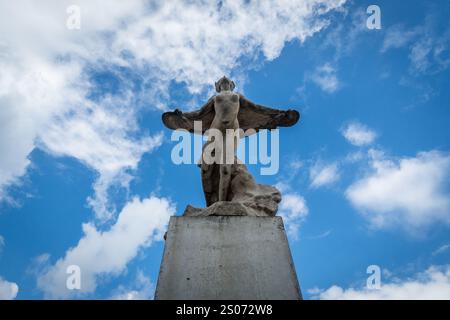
(185, 120)
(258, 117)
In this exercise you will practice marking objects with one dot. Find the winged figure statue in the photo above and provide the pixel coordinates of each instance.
(224, 181)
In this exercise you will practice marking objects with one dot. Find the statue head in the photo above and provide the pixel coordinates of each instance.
(224, 84)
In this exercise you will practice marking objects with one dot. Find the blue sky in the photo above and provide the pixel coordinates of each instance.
(86, 176)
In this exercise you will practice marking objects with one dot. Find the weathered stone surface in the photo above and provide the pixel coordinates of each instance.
(221, 208)
(227, 257)
(245, 196)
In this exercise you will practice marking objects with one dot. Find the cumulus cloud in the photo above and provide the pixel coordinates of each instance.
(433, 284)
(406, 192)
(294, 210)
(8, 290)
(99, 139)
(325, 77)
(293, 207)
(358, 134)
(44, 96)
(142, 289)
(108, 252)
(323, 174)
(219, 34)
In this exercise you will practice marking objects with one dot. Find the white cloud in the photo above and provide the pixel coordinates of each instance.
(358, 134)
(322, 235)
(99, 140)
(354, 157)
(326, 78)
(293, 207)
(323, 174)
(108, 252)
(44, 86)
(198, 42)
(419, 54)
(442, 249)
(43, 98)
(8, 290)
(346, 33)
(294, 210)
(428, 47)
(433, 284)
(406, 192)
(143, 289)
(296, 165)
(398, 36)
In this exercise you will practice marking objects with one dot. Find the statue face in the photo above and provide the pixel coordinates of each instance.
(224, 84)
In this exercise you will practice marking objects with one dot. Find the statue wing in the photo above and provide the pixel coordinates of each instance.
(185, 120)
(258, 117)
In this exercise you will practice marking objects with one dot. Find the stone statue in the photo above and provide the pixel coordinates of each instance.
(228, 186)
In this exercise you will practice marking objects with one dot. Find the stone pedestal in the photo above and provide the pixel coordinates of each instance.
(227, 257)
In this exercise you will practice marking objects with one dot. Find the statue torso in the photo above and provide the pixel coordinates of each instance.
(226, 106)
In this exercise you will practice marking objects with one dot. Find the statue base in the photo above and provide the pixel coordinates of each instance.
(227, 258)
